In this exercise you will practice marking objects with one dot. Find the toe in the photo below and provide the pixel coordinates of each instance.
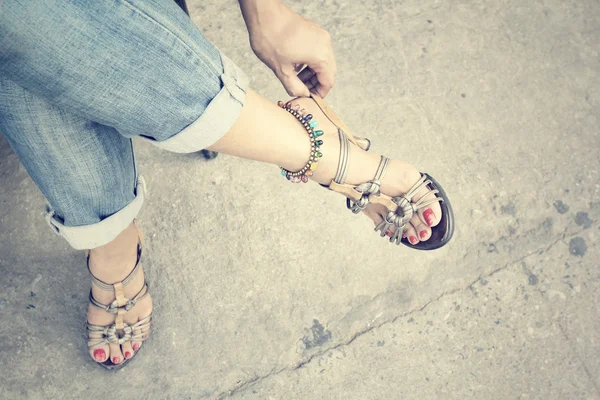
(411, 234)
(432, 214)
(146, 332)
(127, 350)
(429, 216)
(423, 231)
(373, 214)
(391, 230)
(140, 333)
(136, 344)
(115, 354)
(100, 354)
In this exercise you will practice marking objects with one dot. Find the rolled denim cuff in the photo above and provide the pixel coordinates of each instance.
(90, 236)
(217, 119)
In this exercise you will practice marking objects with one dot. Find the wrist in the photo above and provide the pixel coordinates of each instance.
(260, 13)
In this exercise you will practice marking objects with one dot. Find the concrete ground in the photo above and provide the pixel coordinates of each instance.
(266, 290)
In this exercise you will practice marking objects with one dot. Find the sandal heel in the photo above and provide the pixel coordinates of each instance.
(400, 208)
(362, 142)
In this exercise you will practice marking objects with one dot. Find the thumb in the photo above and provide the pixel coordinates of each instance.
(292, 84)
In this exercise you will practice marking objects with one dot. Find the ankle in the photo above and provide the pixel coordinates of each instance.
(361, 165)
(116, 259)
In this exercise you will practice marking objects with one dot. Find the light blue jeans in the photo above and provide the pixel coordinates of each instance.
(79, 79)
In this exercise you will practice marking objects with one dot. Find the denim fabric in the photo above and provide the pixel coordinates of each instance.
(78, 79)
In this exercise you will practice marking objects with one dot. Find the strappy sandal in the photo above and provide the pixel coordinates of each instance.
(119, 332)
(400, 209)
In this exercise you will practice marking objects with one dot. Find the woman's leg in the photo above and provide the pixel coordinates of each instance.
(265, 132)
(139, 69)
(87, 172)
(146, 68)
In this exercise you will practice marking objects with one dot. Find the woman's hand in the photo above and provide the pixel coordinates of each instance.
(286, 42)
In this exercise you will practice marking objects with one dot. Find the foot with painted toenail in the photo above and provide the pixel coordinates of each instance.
(120, 305)
(399, 179)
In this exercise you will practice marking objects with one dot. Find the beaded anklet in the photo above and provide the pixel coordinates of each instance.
(315, 144)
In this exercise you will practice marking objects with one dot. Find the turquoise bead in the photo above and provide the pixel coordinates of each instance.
(283, 173)
(313, 124)
(317, 133)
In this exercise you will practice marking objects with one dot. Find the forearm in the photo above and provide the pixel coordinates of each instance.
(258, 12)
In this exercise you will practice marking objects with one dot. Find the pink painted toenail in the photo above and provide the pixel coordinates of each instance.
(136, 346)
(127, 354)
(99, 355)
(403, 235)
(116, 360)
(389, 234)
(429, 216)
(412, 239)
(423, 234)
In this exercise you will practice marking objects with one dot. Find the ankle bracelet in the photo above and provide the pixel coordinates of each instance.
(309, 124)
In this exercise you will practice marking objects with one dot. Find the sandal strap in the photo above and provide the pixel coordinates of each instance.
(406, 208)
(424, 201)
(342, 169)
(370, 188)
(99, 335)
(114, 307)
(113, 286)
(374, 186)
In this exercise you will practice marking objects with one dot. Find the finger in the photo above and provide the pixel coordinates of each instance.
(306, 74)
(298, 67)
(293, 85)
(326, 74)
(326, 79)
(314, 86)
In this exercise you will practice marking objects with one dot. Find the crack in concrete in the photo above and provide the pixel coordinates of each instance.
(561, 328)
(583, 364)
(244, 385)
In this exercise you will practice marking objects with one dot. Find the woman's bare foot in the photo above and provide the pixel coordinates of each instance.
(398, 180)
(110, 264)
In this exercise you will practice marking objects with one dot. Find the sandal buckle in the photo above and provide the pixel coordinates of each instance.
(114, 307)
(118, 337)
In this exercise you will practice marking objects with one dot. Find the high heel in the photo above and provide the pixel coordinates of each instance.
(400, 209)
(361, 142)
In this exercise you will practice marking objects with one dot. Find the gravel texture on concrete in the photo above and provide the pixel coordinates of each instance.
(267, 290)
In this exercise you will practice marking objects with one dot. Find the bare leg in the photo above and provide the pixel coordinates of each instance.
(264, 132)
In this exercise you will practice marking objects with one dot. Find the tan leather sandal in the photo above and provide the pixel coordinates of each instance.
(119, 332)
(400, 208)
